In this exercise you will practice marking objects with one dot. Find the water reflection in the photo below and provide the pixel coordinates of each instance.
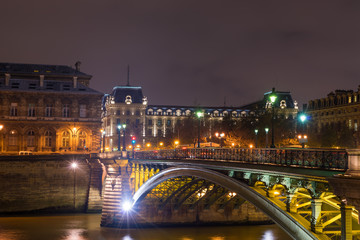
(268, 235)
(87, 227)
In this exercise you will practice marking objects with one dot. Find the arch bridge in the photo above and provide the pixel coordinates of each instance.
(310, 193)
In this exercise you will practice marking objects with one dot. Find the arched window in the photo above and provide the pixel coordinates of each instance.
(65, 139)
(30, 140)
(48, 139)
(82, 139)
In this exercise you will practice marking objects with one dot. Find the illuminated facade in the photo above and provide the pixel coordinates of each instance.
(127, 105)
(339, 108)
(48, 108)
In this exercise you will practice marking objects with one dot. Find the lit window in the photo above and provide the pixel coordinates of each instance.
(13, 138)
(65, 141)
(349, 99)
(30, 141)
(82, 139)
(48, 110)
(48, 139)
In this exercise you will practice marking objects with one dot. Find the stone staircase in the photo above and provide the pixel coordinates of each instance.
(95, 199)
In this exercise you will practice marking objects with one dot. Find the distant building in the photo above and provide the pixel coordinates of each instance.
(340, 108)
(127, 105)
(48, 108)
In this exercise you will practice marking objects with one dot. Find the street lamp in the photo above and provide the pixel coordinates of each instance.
(267, 138)
(199, 116)
(176, 142)
(272, 99)
(124, 127)
(256, 137)
(103, 136)
(118, 131)
(2, 140)
(220, 135)
(74, 165)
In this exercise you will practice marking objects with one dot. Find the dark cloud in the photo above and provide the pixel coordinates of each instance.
(183, 52)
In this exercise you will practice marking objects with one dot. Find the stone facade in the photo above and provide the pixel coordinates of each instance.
(127, 105)
(47, 108)
(340, 108)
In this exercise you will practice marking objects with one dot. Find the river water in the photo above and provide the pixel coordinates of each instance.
(87, 226)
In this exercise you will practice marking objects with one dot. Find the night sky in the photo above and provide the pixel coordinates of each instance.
(190, 52)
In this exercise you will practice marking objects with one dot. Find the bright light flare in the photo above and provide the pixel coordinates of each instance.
(127, 206)
(74, 165)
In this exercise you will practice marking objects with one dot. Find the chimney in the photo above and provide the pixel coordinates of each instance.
(77, 66)
(42, 81)
(7, 79)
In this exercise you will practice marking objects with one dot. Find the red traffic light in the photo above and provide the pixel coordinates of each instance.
(133, 138)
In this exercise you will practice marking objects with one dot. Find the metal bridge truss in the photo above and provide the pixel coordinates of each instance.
(309, 201)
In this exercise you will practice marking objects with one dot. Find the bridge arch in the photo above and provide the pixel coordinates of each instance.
(278, 215)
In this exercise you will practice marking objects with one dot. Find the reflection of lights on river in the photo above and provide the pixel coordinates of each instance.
(75, 234)
(217, 238)
(127, 237)
(186, 238)
(268, 235)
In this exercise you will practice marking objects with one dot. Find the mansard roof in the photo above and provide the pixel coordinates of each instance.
(40, 69)
(281, 96)
(121, 92)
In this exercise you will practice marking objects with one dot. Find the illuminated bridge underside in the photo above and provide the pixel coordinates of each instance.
(304, 212)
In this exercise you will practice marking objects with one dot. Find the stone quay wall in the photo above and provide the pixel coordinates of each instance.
(44, 183)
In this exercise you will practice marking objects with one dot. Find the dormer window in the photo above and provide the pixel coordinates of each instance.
(144, 101)
(282, 104)
(128, 99)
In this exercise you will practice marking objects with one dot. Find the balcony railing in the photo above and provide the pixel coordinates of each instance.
(309, 158)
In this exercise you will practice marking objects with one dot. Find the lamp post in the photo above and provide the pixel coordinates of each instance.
(103, 136)
(1, 138)
(256, 137)
(220, 135)
(303, 138)
(272, 99)
(124, 127)
(267, 137)
(74, 166)
(199, 116)
(118, 131)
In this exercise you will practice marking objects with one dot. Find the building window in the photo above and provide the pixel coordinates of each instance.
(127, 121)
(30, 141)
(65, 111)
(65, 139)
(168, 122)
(149, 132)
(82, 110)
(31, 110)
(159, 122)
(118, 121)
(13, 109)
(355, 125)
(48, 139)
(82, 139)
(13, 138)
(48, 110)
(127, 113)
(137, 122)
(150, 122)
(137, 113)
(118, 112)
(349, 99)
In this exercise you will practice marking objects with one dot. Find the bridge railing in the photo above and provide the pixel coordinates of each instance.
(313, 158)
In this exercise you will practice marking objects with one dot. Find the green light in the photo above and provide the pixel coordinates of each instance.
(199, 114)
(303, 117)
(124, 126)
(273, 98)
(256, 131)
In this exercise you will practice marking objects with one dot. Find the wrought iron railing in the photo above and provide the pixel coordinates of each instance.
(311, 158)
